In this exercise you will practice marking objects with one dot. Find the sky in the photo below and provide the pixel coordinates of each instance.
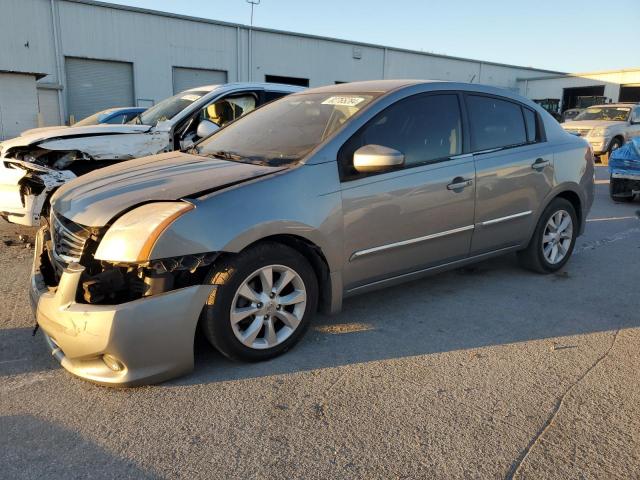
(562, 35)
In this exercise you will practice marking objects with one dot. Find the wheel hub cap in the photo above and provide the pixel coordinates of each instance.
(268, 307)
(557, 237)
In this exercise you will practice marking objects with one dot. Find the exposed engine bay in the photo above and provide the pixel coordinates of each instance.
(31, 170)
(106, 283)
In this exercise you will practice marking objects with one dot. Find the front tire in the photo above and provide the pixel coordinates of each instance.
(553, 239)
(263, 302)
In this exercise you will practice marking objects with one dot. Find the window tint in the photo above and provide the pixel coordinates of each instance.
(425, 128)
(270, 96)
(116, 119)
(495, 123)
(532, 125)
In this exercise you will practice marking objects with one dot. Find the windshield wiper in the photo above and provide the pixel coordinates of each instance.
(234, 157)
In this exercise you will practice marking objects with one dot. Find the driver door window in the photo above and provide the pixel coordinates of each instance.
(425, 128)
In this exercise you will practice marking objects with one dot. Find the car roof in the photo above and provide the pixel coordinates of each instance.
(111, 110)
(388, 86)
(381, 86)
(619, 104)
(257, 85)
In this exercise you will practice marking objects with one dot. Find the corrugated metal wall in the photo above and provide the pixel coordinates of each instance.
(94, 85)
(156, 43)
(18, 104)
(186, 78)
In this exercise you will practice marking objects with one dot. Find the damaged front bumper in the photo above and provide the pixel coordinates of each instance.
(139, 342)
(24, 189)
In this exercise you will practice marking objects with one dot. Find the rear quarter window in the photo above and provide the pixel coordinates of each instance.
(531, 121)
(495, 123)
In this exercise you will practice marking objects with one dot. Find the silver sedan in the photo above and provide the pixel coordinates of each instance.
(320, 195)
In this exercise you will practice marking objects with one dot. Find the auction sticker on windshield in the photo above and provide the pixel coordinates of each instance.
(347, 101)
(190, 97)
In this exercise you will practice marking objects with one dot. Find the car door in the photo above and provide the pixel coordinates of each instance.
(514, 170)
(416, 216)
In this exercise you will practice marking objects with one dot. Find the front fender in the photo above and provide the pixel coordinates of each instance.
(304, 202)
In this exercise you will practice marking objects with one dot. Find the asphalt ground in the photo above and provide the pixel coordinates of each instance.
(486, 372)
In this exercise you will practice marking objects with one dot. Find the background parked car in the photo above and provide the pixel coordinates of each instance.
(323, 194)
(570, 114)
(624, 171)
(33, 166)
(606, 127)
(113, 116)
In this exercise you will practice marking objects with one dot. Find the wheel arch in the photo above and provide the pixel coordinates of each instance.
(330, 290)
(570, 193)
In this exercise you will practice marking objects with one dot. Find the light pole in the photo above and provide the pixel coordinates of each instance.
(253, 4)
(250, 56)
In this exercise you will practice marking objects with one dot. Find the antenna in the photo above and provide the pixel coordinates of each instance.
(253, 4)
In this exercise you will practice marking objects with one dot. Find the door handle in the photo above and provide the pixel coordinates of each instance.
(539, 164)
(459, 183)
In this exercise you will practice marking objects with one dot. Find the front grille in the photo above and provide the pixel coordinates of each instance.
(68, 239)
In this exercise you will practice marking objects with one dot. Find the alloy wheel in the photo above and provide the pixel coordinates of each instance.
(268, 307)
(557, 237)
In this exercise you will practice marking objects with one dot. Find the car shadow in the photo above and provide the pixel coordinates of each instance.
(25, 354)
(41, 449)
(492, 303)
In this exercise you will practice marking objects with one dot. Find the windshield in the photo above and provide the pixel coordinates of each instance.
(91, 119)
(169, 107)
(285, 131)
(605, 113)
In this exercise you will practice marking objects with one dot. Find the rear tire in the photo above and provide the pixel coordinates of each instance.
(551, 247)
(279, 288)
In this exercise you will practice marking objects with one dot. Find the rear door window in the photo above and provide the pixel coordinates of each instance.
(495, 123)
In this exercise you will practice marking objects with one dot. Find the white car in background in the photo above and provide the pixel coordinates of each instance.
(606, 127)
(34, 165)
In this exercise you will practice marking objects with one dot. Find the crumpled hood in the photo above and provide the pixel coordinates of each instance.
(62, 132)
(94, 199)
(42, 130)
(584, 124)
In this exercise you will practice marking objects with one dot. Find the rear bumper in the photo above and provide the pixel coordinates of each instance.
(626, 175)
(151, 338)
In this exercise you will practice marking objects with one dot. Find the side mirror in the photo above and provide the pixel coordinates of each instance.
(206, 128)
(376, 158)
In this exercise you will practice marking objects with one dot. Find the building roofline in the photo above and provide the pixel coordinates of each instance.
(148, 11)
(38, 75)
(581, 74)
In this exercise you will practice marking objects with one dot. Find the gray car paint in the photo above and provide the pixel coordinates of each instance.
(309, 201)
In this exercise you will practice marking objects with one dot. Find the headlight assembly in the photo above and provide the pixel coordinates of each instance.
(132, 237)
(598, 132)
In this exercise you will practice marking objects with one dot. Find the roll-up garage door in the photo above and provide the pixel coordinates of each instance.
(93, 85)
(186, 78)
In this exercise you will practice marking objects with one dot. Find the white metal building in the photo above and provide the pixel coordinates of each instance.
(615, 86)
(62, 58)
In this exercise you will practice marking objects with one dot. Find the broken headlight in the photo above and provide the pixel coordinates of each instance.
(132, 237)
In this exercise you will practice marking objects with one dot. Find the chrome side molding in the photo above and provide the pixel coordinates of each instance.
(505, 219)
(368, 251)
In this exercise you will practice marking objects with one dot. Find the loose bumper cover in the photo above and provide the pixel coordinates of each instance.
(139, 342)
(624, 162)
